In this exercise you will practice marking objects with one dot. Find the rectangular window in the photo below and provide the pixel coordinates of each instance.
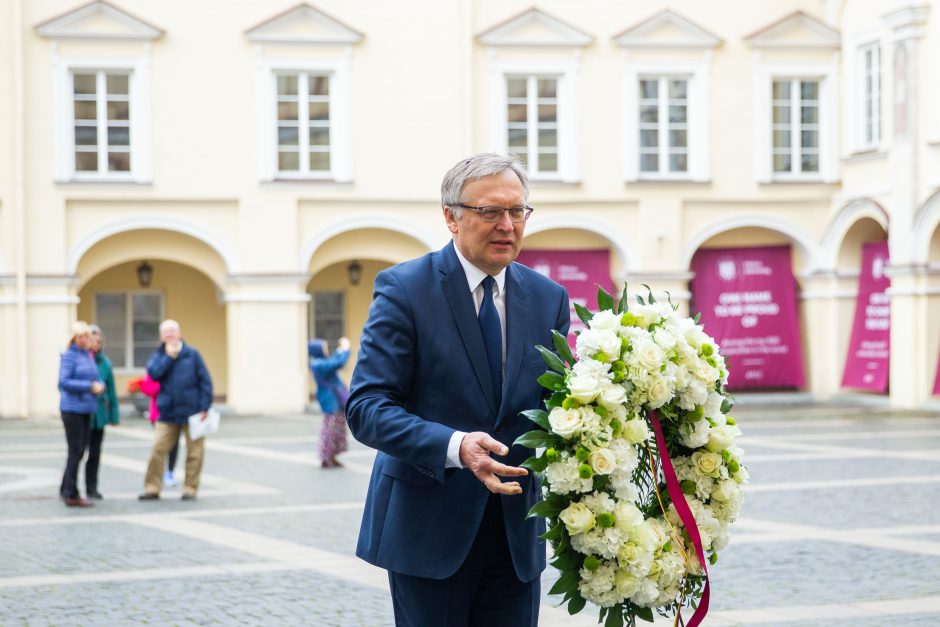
(101, 121)
(795, 126)
(328, 316)
(664, 126)
(130, 322)
(870, 69)
(532, 122)
(303, 123)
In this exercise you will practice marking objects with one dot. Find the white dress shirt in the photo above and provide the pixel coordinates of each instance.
(475, 278)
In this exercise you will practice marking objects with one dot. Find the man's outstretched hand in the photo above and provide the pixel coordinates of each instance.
(475, 449)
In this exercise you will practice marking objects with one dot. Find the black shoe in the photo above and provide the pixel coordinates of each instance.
(148, 496)
(77, 501)
(188, 497)
(94, 494)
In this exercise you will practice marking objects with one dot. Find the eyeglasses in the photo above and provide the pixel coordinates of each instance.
(495, 214)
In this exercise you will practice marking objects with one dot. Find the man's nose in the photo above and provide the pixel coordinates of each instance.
(504, 223)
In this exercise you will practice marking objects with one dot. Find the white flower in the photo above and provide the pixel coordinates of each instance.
(694, 435)
(635, 431)
(598, 586)
(591, 367)
(563, 477)
(565, 422)
(707, 464)
(658, 392)
(649, 355)
(712, 406)
(593, 341)
(647, 594)
(664, 338)
(612, 396)
(626, 584)
(605, 320)
(726, 491)
(628, 516)
(577, 518)
(721, 437)
(603, 461)
(584, 388)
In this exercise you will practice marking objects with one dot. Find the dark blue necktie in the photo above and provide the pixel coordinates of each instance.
(492, 337)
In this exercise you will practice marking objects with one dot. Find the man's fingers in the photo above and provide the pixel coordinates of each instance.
(506, 471)
(492, 445)
(498, 487)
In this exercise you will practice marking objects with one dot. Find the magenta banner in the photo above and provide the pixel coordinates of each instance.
(866, 366)
(747, 298)
(579, 271)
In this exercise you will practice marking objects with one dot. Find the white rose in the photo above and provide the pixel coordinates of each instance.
(658, 391)
(565, 422)
(628, 516)
(612, 396)
(726, 491)
(626, 584)
(649, 355)
(603, 461)
(646, 535)
(712, 407)
(664, 338)
(605, 321)
(721, 437)
(742, 475)
(610, 344)
(584, 388)
(635, 431)
(577, 518)
(591, 367)
(707, 464)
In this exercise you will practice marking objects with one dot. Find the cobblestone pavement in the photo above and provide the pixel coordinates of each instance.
(840, 527)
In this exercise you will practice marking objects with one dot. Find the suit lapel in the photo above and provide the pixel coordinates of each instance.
(457, 292)
(516, 332)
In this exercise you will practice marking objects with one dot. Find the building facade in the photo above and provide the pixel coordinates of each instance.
(248, 168)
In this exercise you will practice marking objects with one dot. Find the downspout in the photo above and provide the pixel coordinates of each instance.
(19, 207)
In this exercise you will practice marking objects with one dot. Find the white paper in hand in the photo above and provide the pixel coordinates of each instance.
(199, 427)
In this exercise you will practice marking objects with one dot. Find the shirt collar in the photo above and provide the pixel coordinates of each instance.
(475, 276)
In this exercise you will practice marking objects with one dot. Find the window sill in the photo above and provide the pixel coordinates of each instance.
(105, 180)
(800, 181)
(316, 180)
(865, 154)
(667, 179)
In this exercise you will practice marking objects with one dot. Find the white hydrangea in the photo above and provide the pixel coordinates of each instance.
(563, 477)
(599, 586)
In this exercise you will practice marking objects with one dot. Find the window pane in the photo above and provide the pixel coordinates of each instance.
(328, 316)
(320, 161)
(516, 113)
(781, 115)
(678, 89)
(119, 161)
(86, 161)
(319, 136)
(677, 113)
(548, 113)
(809, 90)
(678, 162)
(146, 322)
(809, 162)
(649, 138)
(111, 316)
(649, 89)
(119, 136)
(118, 110)
(518, 137)
(318, 85)
(287, 85)
(86, 135)
(649, 162)
(678, 138)
(86, 110)
(782, 162)
(117, 84)
(288, 161)
(286, 110)
(809, 115)
(319, 111)
(809, 139)
(548, 137)
(516, 87)
(649, 113)
(782, 139)
(781, 90)
(548, 162)
(288, 136)
(547, 88)
(84, 83)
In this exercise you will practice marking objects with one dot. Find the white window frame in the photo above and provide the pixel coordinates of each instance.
(797, 127)
(533, 125)
(138, 71)
(828, 77)
(129, 322)
(566, 73)
(862, 142)
(340, 106)
(698, 118)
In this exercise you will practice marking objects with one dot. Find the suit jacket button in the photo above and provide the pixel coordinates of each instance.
(499, 429)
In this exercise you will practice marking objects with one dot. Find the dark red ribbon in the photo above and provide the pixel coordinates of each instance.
(685, 514)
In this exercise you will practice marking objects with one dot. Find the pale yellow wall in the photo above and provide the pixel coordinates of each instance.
(368, 243)
(190, 298)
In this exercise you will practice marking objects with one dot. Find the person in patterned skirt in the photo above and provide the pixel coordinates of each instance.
(331, 395)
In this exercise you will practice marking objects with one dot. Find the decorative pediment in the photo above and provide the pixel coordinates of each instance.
(666, 30)
(97, 20)
(534, 28)
(797, 30)
(304, 24)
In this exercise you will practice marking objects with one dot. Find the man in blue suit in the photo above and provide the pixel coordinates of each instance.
(447, 362)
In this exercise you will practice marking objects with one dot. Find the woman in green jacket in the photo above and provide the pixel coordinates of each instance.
(107, 413)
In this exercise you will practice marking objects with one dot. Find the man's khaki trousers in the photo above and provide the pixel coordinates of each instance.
(167, 434)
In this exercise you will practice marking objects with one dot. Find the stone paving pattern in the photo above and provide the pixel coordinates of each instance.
(840, 527)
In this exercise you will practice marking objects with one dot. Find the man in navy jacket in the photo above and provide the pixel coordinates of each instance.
(185, 389)
(447, 362)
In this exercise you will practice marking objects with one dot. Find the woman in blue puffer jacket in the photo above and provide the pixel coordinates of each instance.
(79, 385)
(331, 395)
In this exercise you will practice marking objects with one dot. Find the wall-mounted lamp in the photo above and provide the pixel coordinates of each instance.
(354, 272)
(144, 274)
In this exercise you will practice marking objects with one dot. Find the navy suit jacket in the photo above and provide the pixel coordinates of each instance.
(422, 374)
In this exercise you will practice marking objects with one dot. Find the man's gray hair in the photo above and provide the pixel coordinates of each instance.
(169, 323)
(477, 167)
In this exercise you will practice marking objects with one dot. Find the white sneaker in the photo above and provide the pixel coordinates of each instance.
(169, 480)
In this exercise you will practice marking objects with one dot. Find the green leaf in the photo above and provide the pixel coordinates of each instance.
(726, 405)
(561, 345)
(649, 296)
(584, 314)
(544, 509)
(576, 604)
(554, 532)
(554, 361)
(552, 381)
(639, 299)
(536, 464)
(555, 400)
(538, 416)
(697, 317)
(568, 582)
(646, 613)
(614, 616)
(538, 439)
(624, 300)
(568, 560)
(604, 300)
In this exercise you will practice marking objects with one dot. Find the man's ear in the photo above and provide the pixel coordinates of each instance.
(451, 221)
